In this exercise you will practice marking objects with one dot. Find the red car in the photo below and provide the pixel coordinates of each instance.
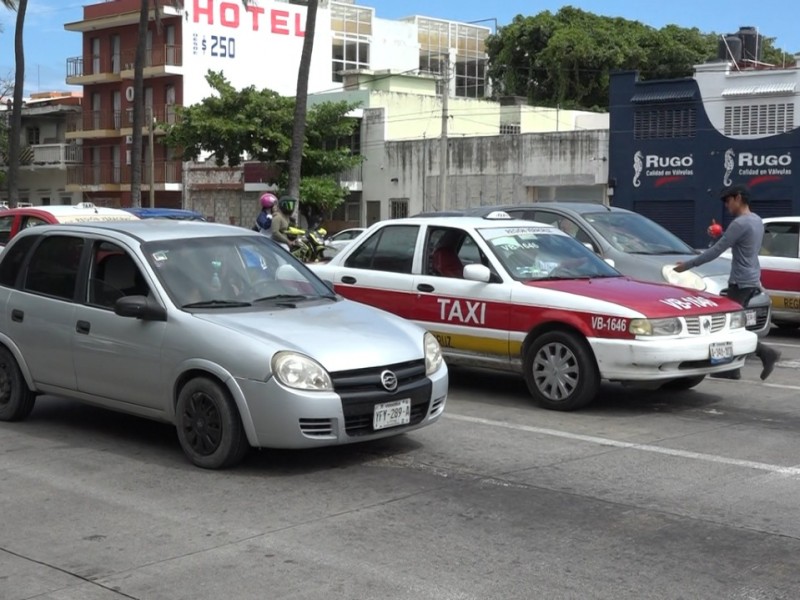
(14, 220)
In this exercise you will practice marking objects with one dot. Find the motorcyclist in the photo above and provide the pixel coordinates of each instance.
(268, 201)
(281, 221)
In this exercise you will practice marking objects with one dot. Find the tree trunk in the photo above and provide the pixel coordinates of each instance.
(138, 106)
(16, 112)
(301, 103)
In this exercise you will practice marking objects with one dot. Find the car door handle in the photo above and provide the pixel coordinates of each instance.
(17, 315)
(425, 287)
(83, 326)
(348, 279)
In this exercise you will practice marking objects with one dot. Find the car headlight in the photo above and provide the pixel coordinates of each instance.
(687, 279)
(671, 326)
(737, 320)
(300, 372)
(433, 354)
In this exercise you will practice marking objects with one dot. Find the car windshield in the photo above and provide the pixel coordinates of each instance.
(232, 272)
(634, 234)
(543, 253)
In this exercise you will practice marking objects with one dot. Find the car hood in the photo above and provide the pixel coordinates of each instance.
(340, 335)
(654, 300)
(714, 268)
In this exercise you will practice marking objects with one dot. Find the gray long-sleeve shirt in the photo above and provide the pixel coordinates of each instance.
(743, 236)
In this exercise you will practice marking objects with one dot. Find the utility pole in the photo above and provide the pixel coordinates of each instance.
(152, 120)
(443, 158)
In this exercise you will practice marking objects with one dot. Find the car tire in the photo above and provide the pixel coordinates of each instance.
(16, 399)
(684, 383)
(209, 427)
(560, 371)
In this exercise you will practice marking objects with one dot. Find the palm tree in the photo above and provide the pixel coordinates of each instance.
(16, 112)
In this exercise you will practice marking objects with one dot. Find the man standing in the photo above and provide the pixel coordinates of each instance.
(743, 237)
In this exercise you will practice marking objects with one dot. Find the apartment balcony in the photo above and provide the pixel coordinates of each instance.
(113, 177)
(160, 61)
(353, 178)
(94, 124)
(160, 114)
(93, 69)
(42, 156)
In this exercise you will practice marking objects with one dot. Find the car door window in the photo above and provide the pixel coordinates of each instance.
(13, 259)
(114, 274)
(781, 239)
(449, 250)
(568, 226)
(6, 224)
(53, 268)
(30, 221)
(390, 249)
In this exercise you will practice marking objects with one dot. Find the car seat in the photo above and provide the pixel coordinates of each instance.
(120, 277)
(445, 262)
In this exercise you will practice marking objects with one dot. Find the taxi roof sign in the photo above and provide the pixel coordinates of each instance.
(497, 215)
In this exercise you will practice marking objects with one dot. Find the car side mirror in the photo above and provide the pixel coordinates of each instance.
(590, 247)
(140, 307)
(610, 262)
(477, 273)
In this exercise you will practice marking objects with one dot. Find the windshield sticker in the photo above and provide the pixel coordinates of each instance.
(462, 311)
(688, 302)
(160, 256)
(491, 234)
(95, 218)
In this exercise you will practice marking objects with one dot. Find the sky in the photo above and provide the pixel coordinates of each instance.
(48, 45)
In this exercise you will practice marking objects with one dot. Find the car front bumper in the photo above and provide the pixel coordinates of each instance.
(285, 418)
(664, 359)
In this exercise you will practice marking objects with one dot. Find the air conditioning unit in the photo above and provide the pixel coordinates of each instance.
(128, 139)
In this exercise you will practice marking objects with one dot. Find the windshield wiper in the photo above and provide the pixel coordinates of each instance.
(217, 304)
(658, 253)
(285, 298)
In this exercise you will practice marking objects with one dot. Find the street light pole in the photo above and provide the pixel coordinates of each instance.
(151, 123)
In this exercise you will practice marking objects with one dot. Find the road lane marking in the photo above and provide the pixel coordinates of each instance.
(601, 441)
(782, 345)
(778, 386)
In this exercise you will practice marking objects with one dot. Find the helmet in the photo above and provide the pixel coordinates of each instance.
(286, 205)
(268, 200)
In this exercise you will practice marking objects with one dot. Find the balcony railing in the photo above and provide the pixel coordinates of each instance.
(102, 64)
(55, 154)
(352, 174)
(94, 120)
(110, 173)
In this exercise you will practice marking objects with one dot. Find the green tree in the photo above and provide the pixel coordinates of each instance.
(233, 124)
(565, 59)
(15, 129)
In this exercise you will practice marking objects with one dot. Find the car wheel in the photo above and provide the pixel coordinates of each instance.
(684, 383)
(16, 400)
(560, 371)
(209, 426)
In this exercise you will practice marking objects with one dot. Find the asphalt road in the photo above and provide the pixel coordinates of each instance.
(643, 495)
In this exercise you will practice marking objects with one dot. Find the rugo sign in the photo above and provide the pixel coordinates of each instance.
(664, 169)
(756, 164)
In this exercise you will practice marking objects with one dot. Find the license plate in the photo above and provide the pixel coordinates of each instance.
(392, 414)
(750, 318)
(721, 352)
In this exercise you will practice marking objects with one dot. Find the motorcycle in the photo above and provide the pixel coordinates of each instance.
(309, 244)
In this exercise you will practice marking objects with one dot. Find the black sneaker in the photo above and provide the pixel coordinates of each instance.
(769, 357)
(735, 374)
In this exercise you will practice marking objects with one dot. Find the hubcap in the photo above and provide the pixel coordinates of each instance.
(5, 384)
(556, 372)
(201, 424)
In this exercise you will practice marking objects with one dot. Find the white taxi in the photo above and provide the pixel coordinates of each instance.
(525, 297)
(780, 269)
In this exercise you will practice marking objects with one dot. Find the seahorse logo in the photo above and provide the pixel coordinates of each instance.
(729, 164)
(637, 168)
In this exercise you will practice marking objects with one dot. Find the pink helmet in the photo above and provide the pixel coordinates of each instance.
(268, 200)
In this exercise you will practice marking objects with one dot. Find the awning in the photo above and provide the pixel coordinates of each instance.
(663, 96)
(773, 89)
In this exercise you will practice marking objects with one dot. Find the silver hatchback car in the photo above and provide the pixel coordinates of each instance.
(210, 327)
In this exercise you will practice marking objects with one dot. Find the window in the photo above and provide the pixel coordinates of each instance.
(28, 221)
(53, 269)
(390, 248)
(665, 123)
(781, 239)
(114, 275)
(567, 225)
(398, 208)
(510, 129)
(6, 224)
(32, 135)
(759, 119)
(448, 251)
(13, 259)
(352, 33)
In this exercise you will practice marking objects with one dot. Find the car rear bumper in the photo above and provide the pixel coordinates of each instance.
(655, 359)
(286, 418)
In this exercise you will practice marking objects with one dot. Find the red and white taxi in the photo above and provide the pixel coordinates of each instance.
(780, 269)
(14, 220)
(525, 297)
